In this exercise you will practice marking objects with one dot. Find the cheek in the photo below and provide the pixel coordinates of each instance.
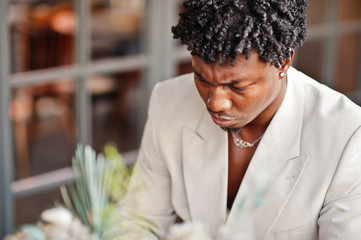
(268, 94)
(253, 97)
(254, 101)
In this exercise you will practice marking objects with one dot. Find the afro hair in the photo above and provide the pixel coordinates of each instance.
(220, 30)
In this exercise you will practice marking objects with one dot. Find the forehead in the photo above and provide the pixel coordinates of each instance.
(243, 68)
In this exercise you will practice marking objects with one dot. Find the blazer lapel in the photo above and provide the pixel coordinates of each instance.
(274, 169)
(264, 192)
(205, 162)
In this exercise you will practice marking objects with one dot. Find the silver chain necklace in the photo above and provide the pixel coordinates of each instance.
(242, 143)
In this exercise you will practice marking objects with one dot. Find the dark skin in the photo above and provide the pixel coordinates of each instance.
(246, 95)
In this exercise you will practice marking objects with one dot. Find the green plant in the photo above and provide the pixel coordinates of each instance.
(100, 182)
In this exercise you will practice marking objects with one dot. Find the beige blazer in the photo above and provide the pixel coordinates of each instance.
(303, 182)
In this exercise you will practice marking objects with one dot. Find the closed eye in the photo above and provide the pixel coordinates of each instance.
(239, 89)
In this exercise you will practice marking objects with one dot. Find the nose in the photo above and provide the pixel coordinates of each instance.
(218, 100)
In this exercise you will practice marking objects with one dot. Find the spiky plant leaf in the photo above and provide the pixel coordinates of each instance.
(88, 199)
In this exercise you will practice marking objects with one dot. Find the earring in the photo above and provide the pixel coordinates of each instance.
(282, 74)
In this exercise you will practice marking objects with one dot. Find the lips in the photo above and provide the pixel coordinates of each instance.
(223, 122)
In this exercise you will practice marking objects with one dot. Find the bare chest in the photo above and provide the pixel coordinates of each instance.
(238, 161)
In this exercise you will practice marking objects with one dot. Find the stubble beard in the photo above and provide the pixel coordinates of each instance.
(234, 130)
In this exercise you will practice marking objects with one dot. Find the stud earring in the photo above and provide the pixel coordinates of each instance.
(282, 74)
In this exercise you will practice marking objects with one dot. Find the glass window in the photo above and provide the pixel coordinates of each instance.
(348, 56)
(310, 59)
(185, 67)
(43, 127)
(116, 109)
(28, 209)
(349, 10)
(317, 12)
(116, 27)
(41, 34)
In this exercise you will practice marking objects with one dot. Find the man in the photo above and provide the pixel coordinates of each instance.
(247, 136)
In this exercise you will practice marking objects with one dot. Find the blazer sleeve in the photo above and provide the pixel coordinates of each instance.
(340, 217)
(146, 211)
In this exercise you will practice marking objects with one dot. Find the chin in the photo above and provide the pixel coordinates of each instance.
(232, 129)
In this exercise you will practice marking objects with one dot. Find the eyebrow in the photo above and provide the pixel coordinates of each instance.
(199, 75)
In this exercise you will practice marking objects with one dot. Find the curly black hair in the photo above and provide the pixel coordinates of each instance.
(223, 29)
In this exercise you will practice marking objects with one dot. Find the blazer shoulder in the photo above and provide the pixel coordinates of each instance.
(332, 111)
(177, 99)
(176, 87)
(321, 97)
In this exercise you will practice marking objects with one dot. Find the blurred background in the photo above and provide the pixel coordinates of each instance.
(78, 71)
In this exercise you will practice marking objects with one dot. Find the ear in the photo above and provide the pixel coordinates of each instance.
(287, 62)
